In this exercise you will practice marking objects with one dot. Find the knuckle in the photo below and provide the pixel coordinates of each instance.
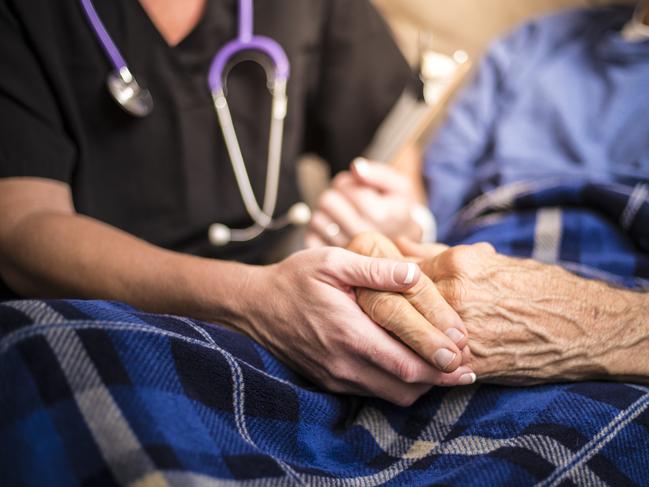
(407, 371)
(454, 257)
(379, 305)
(454, 292)
(406, 399)
(485, 247)
(338, 370)
(331, 256)
(364, 243)
(375, 271)
(326, 198)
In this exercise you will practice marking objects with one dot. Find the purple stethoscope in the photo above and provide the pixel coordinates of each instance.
(137, 101)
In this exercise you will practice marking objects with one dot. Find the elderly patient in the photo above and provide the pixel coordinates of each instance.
(549, 148)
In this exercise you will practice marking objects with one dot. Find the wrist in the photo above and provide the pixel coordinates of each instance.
(220, 292)
(425, 221)
(625, 333)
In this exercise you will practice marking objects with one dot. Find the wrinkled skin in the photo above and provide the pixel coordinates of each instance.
(527, 322)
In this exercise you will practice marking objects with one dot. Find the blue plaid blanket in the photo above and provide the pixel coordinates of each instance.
(97, 393)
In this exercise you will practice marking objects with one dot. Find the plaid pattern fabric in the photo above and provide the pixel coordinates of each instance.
(97, 393)
(595, 230)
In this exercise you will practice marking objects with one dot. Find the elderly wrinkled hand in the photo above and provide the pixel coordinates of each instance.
(418, 316)
(530, 322)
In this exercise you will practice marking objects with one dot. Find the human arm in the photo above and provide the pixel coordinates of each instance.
(532, 323)
(50, 251)
(303, 309)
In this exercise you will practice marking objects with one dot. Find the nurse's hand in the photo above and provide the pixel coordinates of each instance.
(304, 310)
(371, 197)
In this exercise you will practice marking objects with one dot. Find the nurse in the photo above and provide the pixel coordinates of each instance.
(98, 204)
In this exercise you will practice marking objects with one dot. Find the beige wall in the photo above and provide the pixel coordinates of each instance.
(463, 24)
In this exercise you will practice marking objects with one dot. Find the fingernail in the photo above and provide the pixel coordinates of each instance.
(454, 334)
(467, 379)
(443, 358)
(405, 273)
(362, 166)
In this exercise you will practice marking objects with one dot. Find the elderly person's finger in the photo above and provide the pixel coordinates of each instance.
(457, 262)
(328, 230)
(402, 363)
(421, 251)
(342, 212)
(401, 386)
(394, 313)
(374, 244)
(429, 302)
(411, 316)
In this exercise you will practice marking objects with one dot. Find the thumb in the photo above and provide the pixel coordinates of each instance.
(379, 274)
(379, 176)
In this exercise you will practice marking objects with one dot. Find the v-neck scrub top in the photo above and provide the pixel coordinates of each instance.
(167, 177)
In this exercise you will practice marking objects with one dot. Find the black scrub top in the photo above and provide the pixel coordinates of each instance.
(167, 177)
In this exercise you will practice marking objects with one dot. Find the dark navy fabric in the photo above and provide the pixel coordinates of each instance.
(121, 400)
(562, 96)
(97, 393)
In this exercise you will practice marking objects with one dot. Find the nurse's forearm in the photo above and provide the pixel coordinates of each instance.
(53, 255)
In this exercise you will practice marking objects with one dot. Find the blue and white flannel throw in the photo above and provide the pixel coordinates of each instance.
(97, 393)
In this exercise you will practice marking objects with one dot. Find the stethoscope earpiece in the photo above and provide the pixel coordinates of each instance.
(219, 235)
(299, 214)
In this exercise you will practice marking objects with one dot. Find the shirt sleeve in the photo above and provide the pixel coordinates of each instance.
(453, 160)
(33, 142)
(362, 75)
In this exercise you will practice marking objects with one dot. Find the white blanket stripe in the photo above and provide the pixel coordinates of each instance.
(119, 446)
(578, 461)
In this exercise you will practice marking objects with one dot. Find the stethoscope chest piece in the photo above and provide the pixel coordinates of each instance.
(128, 94)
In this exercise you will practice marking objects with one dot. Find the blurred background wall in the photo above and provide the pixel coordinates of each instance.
(464, 24)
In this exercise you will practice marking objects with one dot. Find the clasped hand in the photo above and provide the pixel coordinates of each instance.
(526, 322)
(370, 197)
(305, 311)
(376, 324)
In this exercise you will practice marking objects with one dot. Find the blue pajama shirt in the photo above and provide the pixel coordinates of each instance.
(564, 97)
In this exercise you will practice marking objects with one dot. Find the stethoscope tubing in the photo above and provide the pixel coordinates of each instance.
(111, 50)
(128, 93)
